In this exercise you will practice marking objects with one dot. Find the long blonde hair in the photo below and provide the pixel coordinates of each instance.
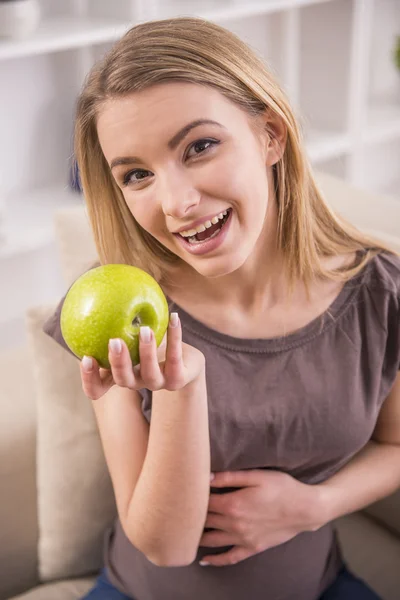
(201, 52)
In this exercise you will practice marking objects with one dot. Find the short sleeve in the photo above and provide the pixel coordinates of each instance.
(390, 280)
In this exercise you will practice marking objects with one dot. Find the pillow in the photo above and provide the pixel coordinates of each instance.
(76, 503)
(77, 250)
(387, 512)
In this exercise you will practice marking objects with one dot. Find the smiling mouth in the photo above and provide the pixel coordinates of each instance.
(209, 233)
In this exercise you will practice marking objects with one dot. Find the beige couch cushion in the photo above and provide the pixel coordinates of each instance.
(387, 511)
(75, 242)
(367, 211)
(18, 518)
(63, 590)
(75, 497)
(372, 552)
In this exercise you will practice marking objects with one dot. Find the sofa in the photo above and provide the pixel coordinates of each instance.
(56, 498)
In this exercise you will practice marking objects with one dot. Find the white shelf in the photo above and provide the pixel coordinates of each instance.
(29, 219)
(383, 121)
(393, 189)
(324, 145)
(221, 10)
(63, 33)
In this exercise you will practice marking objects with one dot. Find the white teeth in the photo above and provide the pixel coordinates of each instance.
(203, 226)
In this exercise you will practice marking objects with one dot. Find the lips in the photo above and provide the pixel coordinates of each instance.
(208, 232)
(200, 221)
(211, 243)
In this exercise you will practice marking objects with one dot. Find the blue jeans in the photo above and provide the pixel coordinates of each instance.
(346, 587)
(104, 590)
(349, 587)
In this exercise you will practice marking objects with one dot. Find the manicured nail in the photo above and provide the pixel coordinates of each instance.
(204, 563)
(145, 334)
(212, 476)
(87, 363)
(174, 319)
(115, 346)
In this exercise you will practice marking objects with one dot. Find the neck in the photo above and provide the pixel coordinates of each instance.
(258, 285)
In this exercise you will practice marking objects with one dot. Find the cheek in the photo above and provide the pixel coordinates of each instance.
(224, 179)
(141, 212)
(244, 181)
(244, 170)
(147, 216)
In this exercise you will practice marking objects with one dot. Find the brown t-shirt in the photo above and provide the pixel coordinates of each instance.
(303, 404)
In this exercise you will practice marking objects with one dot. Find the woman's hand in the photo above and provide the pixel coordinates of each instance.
(270, 509)
(172, 366)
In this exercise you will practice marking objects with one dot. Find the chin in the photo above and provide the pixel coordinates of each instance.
(221, 267)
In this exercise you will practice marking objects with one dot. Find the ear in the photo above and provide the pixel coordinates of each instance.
(274, 137)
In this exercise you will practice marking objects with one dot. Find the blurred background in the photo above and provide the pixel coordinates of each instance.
(339, 61)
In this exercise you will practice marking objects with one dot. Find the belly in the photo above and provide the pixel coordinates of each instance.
(300, 569)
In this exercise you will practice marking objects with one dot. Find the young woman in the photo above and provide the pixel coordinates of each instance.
(234, 446)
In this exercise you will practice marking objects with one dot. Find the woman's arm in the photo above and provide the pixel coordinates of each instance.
(169, 506)
(373, 473)
(161, 473)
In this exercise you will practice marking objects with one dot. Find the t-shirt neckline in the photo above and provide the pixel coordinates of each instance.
(276, 344)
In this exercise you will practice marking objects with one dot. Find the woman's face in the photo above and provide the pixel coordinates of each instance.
(189, 160)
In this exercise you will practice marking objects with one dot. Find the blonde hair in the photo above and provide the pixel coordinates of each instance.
(201, 52)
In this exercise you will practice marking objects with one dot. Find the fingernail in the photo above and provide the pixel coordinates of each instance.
(145, 334)
(212, 476)
(115, 346)
(174, 319)
(87, 363)
(204, 563)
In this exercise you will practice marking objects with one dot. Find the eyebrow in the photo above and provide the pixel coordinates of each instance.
(172, 144)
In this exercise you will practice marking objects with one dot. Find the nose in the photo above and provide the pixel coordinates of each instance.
(179, 197)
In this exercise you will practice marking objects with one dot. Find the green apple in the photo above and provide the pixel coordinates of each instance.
(112, 301)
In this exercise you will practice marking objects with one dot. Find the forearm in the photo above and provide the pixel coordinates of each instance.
(169, 505)
(371, 475)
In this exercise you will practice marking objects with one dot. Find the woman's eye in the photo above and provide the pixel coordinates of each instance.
(135, 176)
(200, 147)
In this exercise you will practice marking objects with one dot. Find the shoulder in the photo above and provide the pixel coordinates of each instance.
(383, 288)
(383, 273)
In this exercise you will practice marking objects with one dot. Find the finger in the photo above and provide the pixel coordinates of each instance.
(173, 367)
(232, 557)
(216, 539)
(93, 384)
(216, 521)
(161, 350)
(217, 503)
(121, 364)
(150, 371)
(237, 478)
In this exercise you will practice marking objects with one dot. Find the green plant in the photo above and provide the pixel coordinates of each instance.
(397, 52)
